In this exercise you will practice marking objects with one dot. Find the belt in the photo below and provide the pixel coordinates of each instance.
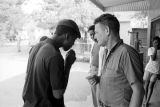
(102, 104)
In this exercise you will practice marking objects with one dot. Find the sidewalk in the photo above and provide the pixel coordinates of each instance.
(77, 93)
(155, 98)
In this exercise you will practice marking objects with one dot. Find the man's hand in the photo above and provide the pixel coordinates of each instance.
(70, 57)
(93, 80)
(69, 60)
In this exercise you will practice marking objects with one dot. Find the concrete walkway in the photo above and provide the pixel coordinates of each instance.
(155, 98)
(12, 80)
(78, 94)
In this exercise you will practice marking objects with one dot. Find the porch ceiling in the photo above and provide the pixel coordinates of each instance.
(121, 5)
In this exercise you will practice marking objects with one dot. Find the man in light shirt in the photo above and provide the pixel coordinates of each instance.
(95, 64)
(120, 82)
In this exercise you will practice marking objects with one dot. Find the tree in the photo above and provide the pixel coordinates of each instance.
(13, 19)
(82, 11)
(141, 19)
(15, 14)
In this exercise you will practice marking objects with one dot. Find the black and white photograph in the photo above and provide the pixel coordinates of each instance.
(79, 53)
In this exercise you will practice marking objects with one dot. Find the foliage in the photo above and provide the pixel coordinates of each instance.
(12, 18)
(141, 19)
(82, 11)
(46, 13)
(141, 14)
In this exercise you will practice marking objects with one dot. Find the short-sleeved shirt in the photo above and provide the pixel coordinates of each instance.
(121, 69)
(94, 59)
(45, 72)
(102, 53)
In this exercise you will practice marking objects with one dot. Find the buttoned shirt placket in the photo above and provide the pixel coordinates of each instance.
(108, 54)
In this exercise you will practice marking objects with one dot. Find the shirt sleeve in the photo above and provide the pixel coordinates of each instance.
(94, 61)
(102, 53)
(132, 66)
(56, 70)
(151, 51)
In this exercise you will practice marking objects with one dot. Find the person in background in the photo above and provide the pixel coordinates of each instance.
(94, 63)
(47, 72)
(43, 38)
(152, 69)
(96, 58)
(120, 82)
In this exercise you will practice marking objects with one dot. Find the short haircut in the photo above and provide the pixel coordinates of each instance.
(110, 20)
(43, 38)
(92, 27)
(61, 29)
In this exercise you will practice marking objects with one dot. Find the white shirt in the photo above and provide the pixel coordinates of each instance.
(96, 58)
(153, 66)
(102, 54)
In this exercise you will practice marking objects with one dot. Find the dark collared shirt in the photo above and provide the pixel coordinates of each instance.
(45, 72)
(121, 69)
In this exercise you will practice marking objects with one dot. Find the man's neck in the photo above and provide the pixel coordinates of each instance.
(56, 41)
(112, 42)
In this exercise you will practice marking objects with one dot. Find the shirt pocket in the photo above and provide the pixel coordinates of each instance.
(110, 72)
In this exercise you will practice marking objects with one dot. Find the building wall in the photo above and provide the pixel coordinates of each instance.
(142, 36)
(124, 28)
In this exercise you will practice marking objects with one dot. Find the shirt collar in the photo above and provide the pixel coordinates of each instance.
(116, 46)
(50, 41)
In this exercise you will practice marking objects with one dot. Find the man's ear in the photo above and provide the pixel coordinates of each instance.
(107, 30)
(66, 36)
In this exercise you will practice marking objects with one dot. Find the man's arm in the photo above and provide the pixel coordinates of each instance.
(94, 65)
(137, 96)
(69, 60)
(67, 68)
(133, 70)
(56, 71)
(58, 94)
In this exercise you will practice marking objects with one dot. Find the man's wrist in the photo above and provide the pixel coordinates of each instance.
(68, 64)
(99, 79)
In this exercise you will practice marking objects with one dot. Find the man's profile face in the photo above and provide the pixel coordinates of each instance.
(91, 33)
(69, 42)
(101, 34)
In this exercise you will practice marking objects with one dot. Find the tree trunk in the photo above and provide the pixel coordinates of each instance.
(19, 44)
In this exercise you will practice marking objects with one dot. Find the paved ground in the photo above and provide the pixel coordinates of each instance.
(12, 75)
(77, 93)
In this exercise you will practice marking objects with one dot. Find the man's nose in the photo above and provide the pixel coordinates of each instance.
(95, 36)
